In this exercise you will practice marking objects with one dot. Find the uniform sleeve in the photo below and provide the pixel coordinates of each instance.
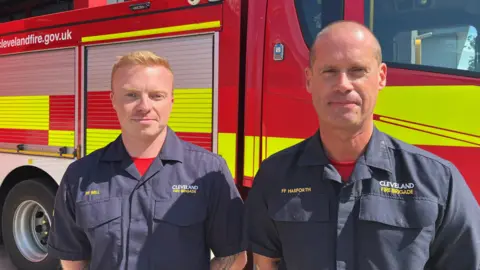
(66, 240)
(262, 234)
(225, 215)
(457, 242)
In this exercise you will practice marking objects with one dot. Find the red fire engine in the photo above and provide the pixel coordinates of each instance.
(239, 91)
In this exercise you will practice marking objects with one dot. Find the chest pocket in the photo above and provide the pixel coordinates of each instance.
(304, 227)
(182, 211)
(101, 221)
(398, 231)
(300, 209)
(177, 232)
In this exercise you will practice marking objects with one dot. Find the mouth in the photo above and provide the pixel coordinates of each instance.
(349, 104)
(143, 120)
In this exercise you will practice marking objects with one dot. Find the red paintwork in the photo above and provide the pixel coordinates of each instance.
(22, 136)
(62, 113)
(254, 63)
(465, 159)
(354, 10)
(201, 139)
(100, 112)
(406, 77)
(180, 17)
(228, 78)
(286, 104)
(91, 14)
(78, 4)
(247, 181)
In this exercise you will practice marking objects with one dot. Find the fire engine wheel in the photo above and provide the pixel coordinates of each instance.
(26, 223)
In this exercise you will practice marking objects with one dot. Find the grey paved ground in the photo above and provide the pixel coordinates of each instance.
(5, 263)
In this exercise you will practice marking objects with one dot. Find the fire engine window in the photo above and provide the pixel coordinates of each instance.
(427, 33)
(12, 10)
(313, 15)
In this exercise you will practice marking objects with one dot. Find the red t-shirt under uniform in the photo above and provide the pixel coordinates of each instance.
(142, 164)
(344, 168)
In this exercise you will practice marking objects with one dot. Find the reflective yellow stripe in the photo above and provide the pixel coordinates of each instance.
(270, 146)
(276, 144)
(98, 138)
(24, 112)
(61, 138)
(227, 145)
(154, 31)
(192, 110)
(251, 155)
(453, 108)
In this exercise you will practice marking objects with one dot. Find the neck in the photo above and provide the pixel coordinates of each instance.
(144, 147)
(345, 146)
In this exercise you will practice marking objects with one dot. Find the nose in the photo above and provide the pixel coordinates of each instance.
(144, 103)
(343, 82)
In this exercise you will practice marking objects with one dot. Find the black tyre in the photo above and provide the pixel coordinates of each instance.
(26, 219)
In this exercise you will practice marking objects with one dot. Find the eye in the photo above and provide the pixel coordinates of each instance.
(131, 94)
(329, 71)
(158, 96)
(358, 70)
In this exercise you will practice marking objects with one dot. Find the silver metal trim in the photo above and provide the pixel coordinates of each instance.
(76, 134)
(36, 147)
(42, 50)
(216, 54)
(82, 103)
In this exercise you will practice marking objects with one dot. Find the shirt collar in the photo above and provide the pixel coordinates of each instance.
(172, 149)
(376, 155)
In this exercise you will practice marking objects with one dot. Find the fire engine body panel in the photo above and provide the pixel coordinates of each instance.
(239, 82)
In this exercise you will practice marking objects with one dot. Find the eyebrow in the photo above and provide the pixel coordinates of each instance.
(136, 90)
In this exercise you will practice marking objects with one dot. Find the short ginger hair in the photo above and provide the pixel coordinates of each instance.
(143, 58)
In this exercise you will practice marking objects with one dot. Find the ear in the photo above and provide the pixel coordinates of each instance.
(308, 78)
(111, 98)
(382, 76)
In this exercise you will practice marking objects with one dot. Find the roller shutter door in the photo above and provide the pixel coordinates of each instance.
(37, 100)
(191, 60)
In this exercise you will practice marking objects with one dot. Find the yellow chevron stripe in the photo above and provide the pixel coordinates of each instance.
(227, 148)
(24, 112)
(270, 146)
(61, 138)
(448, 107)
(154, 31)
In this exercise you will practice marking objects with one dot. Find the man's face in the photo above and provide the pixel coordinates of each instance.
(344, 80)
(142, 97)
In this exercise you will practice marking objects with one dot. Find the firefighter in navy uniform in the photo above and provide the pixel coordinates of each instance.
(148, 200)
(350, 196)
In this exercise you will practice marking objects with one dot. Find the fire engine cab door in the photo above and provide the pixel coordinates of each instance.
(190, 57)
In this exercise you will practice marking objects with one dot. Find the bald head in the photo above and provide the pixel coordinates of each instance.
(347, 31)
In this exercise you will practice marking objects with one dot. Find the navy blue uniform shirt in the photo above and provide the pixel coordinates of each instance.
(184, 205)
(402, 209)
